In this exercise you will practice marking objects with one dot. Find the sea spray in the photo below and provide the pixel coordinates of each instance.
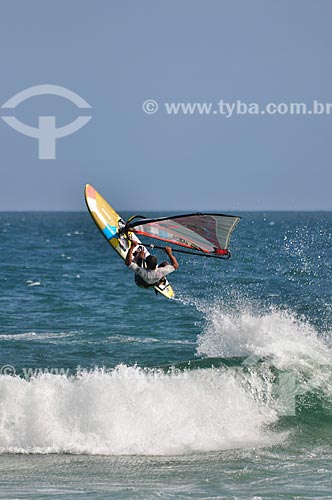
(130, 410)
(276, 333)
(295, 357)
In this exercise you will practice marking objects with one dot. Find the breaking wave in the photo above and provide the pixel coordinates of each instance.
(224, 399)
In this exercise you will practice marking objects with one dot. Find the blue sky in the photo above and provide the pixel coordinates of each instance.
(118, 54)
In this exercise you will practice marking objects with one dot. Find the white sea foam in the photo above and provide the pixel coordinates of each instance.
(289, 343)
(128, 339)
(278, 334)
(132, 411)
(33, 283)
(35, 336)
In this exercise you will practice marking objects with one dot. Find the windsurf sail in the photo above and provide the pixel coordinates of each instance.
(206, 233)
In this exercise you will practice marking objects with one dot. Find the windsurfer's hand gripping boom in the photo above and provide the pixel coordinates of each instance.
(171, 257)
(129, 257)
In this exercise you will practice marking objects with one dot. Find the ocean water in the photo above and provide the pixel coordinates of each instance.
(109, 391)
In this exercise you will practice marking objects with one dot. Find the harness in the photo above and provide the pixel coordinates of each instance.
(143, 284)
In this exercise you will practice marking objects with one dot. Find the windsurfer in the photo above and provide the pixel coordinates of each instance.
(147, 272)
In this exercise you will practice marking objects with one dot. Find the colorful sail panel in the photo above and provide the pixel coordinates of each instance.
(209, 233)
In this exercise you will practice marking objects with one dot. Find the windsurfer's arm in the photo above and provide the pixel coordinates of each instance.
(129, 257)
(171, 257)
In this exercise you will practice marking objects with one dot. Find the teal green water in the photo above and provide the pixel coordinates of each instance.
(108, 391)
